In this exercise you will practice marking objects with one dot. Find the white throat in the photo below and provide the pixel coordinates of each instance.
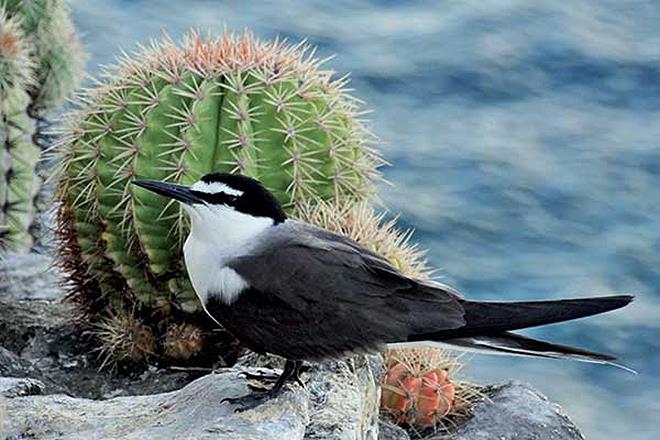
(217, 235)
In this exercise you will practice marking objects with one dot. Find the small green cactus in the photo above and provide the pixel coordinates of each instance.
(40, 64)
(16, 65)
(19, 182)
(176, 112)
(54, 47)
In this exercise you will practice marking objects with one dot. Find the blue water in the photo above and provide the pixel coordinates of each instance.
(525, 142)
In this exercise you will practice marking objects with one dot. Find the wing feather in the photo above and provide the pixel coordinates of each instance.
(340, 287)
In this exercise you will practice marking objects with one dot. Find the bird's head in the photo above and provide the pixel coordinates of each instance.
(221, 197)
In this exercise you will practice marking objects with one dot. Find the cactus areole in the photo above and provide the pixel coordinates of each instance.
(175, 113)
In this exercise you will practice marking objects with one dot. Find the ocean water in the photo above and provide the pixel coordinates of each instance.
(525, 143)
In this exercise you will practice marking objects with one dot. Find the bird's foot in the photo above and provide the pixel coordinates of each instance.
(249, 401)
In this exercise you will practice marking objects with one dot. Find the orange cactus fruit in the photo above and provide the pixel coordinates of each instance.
(417, 397)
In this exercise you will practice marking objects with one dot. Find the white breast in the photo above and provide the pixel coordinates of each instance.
(228, 283)
(217, 236)
(208, 273)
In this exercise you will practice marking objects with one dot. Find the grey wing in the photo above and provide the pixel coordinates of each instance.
(344, 292)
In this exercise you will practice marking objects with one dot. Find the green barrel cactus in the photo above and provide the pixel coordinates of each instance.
(174, 113)
(40, 64)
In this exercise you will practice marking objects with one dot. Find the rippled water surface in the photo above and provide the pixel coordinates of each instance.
(524, 138)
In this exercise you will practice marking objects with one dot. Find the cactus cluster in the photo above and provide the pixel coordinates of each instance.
(40, 64)
(419, 390)
(174, 112)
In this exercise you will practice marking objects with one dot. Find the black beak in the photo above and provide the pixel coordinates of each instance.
(172, 190)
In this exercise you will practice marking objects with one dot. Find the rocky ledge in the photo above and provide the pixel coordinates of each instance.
(50, 388)
(339, 403)
(334, 410)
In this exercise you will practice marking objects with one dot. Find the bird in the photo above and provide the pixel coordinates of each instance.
(289, 288)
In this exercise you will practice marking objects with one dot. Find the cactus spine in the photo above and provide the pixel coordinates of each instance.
(40, 64)
(176, 112)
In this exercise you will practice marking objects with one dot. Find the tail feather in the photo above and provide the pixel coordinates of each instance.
(488, 327)
(488, 317)
(512, 344)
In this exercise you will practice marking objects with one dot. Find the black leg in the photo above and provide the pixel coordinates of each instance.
(290, 371)
(299, 368)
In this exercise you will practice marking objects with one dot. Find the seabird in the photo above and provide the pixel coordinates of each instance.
(304, 293)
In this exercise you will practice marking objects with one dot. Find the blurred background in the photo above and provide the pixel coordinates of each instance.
(524, 138)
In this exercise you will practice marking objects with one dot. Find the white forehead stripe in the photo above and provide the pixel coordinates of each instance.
(215, 187)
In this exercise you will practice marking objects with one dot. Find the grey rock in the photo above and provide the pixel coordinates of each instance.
(13, 366)
(346, 399)
(39, 339)
(516, 411)
(195, 411)
(27, 327)
(338, 402)
(29, 276)
(15, 387)
(390, 431)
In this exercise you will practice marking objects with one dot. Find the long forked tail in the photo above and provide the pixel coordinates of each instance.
(488, 327)
(491, 317)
